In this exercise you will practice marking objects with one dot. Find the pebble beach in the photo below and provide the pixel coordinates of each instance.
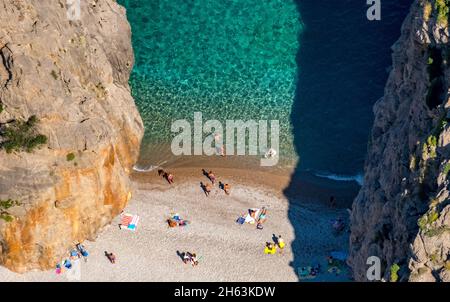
(226, 250)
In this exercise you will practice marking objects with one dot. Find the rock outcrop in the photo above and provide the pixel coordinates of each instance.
(402, 213)
(72, 74)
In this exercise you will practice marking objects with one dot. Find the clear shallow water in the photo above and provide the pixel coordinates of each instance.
(229, 59)
(245, 59)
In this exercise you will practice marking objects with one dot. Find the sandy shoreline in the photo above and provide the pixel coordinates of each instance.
(228, 252)
(284, 181)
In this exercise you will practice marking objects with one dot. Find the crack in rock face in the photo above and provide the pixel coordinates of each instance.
(7, 61)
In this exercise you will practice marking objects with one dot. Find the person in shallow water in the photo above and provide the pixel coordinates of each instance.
(194, 260)
(219, 147)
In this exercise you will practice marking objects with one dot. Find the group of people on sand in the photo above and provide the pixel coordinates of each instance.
(254, 217)
(271, 247)
(207, 188)
(259, 216)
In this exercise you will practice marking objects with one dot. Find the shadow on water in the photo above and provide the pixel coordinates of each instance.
(342, 66)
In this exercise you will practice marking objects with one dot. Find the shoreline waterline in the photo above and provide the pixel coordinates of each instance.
(282, 180)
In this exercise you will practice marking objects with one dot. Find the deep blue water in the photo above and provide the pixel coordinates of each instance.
(317, 66)
(344, 61)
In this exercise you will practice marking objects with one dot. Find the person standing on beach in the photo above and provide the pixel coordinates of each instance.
(270, 248)
(206, 188)
(226, 189)
(332, 202)
(212, 177)
(170, 178)
(186, 257)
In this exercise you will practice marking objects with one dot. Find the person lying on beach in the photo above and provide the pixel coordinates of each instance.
(111, 257)
(338, 225)
(67, 264)
(270, 248)
(161, 172)
(190, 258)
(172, 223)
(82, 250)
(74, 255)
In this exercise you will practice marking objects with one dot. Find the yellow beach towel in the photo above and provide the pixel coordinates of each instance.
(270, 251)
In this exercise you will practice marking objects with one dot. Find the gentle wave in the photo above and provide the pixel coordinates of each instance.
(358, 178)
(150, 168)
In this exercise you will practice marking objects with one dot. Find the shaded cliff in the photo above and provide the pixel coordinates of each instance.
(402, 213)
(71, 79)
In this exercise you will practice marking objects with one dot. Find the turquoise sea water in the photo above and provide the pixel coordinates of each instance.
(317, 66)
(228, 59)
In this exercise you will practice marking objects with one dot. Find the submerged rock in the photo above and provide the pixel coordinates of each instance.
(73, 76)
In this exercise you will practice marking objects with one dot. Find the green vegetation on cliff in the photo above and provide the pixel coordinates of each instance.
(5, 205)
(394, 272)
(70, 156)
(21, 136)
(442, 7)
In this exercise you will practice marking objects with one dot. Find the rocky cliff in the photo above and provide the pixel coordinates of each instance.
(402, 213)
(68, 76)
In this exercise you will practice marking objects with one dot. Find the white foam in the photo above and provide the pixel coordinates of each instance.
(358, 178)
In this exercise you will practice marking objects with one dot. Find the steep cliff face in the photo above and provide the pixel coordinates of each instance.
(73, 76)
(402, 213)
